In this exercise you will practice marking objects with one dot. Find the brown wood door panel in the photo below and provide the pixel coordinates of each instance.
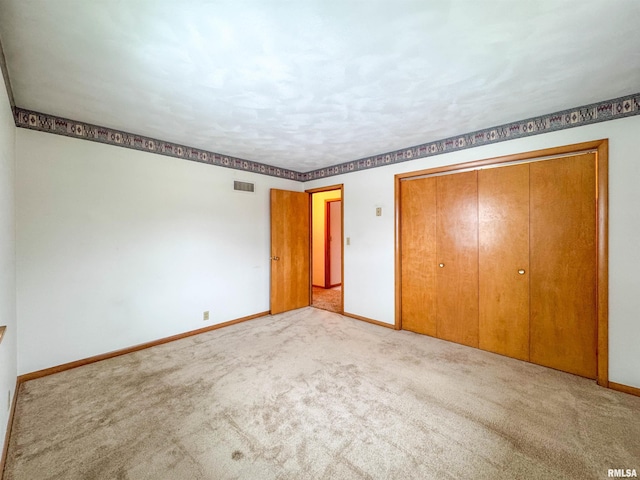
(418, 255)
(290, 266)
(333, 243)
(457, 250)
(563, 264)
(503, 214)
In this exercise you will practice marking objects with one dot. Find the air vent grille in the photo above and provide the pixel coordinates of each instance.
(243, 186)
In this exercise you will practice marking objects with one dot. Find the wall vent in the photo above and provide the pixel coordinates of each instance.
(243, 186)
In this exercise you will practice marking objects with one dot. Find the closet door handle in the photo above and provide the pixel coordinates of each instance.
(441, 265)
(521, 271)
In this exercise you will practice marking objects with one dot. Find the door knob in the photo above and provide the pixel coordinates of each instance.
(521, 271)
(441, 265)
(275, 258)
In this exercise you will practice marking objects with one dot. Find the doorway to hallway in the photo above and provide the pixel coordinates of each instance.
(326, 248)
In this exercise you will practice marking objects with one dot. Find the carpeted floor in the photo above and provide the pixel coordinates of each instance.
(310, 394)
(328, 298)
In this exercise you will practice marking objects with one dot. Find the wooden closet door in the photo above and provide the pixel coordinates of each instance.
(563, 264)
(418, 255)
(503, 213)
(457, 254)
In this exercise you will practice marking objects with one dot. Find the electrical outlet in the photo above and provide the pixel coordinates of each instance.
(205, 316)
(378, 211)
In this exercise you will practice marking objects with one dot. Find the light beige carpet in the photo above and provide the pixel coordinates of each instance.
(313, 395)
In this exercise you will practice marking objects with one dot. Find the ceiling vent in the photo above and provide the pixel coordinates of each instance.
(243, 186)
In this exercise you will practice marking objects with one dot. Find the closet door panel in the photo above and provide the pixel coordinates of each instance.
(563, 264)
(503, 239)
(418, 250)
(457, 257)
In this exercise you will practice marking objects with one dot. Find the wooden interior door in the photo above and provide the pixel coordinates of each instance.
(290, 253)
(418, 255)
(333, 243)
(563, 264)
(503, 241)
(457, 257)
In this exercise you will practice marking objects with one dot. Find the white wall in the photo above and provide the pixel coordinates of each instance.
(369, 260)
(7, 257)
(117, 247)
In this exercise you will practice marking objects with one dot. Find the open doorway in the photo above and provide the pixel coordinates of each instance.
(326, 248)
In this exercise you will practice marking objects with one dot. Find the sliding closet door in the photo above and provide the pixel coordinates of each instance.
(457, 258)
(503, 213)
(563, 264)
(418, 250)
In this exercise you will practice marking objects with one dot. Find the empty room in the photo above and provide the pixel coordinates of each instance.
(319, 239)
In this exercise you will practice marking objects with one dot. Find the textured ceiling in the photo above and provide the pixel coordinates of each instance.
(311, 83)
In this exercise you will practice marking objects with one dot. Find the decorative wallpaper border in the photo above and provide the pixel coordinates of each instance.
(45, 122)
(576, 117)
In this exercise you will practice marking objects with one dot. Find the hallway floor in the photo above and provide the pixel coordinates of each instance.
(328, 298)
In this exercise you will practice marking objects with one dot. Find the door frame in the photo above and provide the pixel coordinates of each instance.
(327, 242)
(311, 191)
(601, 150)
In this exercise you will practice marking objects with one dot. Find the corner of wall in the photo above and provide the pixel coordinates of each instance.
(8, 346)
